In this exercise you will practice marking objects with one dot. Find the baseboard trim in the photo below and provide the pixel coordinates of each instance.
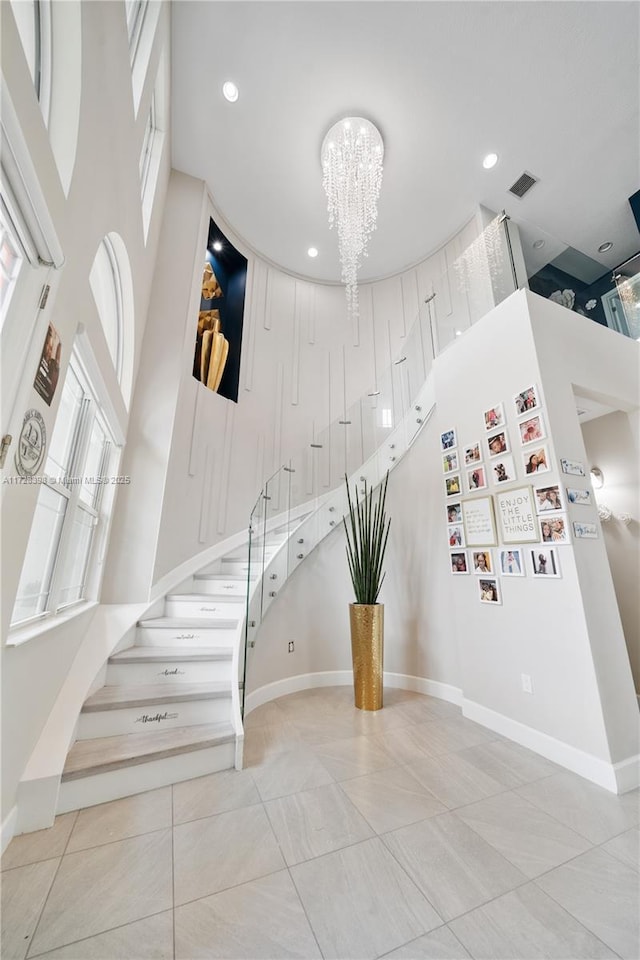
(617, 778)
(340, 678)
(8, 828)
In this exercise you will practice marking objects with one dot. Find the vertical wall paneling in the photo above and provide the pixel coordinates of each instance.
(205, 496)
(299, 299)
(251, 311)
(223, 496)
(268, 284)
(277, 432)
(311, 316)
(193, 444)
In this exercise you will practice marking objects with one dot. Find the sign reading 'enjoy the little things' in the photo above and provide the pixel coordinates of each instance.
(517, 515)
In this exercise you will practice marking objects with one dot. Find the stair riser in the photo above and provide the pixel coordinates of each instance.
(113, 723)
(100, 788)
(196, 609)
(226, 588)
(185, 636)
(189, 671)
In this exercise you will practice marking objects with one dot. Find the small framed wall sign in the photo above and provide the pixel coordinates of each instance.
(573, 467)
(582, 497)
(479, 522)
(585, 531)
(517, 513)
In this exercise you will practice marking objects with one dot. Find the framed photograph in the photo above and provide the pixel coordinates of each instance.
(548, 499)
(536, 460)
(454, 513)
(494, 417)
(449, 462)
(585, 531)
(581, 497)
(498, 443)
(452, 485)
(517, 515)
(554, 529)
(477, 479)
(48, 370)
(479, 522)
(512, 563)
(459, 562)
(527, 400)
(455, 532)
(482, 562)
(532, 429)
(503, 470)
(488, 591)
(544, 562)
(448, 440)
(573, 467)
(472, 454)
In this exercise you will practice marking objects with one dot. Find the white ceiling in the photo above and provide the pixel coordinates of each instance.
(552, 87)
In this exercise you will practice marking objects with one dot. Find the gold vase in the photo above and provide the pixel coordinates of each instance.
(367, 648)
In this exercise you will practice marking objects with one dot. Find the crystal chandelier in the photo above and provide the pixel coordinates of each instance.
(351, 157)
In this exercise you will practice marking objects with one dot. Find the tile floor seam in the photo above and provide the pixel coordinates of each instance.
(413, 883)
(92, 936)
(219, 813)
(43, 859)
(44, 903)
(304, 910)
(573, 916)
(109, 843)
(445, 803)
(233, 886)
(561, 822)
(603, 843)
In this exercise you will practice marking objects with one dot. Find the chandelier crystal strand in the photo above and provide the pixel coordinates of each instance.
(351, 156)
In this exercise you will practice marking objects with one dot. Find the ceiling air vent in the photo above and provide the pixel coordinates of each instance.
(522, 185)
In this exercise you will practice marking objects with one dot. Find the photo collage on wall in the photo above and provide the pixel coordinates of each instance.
(487, 534)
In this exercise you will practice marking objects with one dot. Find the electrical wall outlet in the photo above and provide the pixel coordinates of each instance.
(290, 646)
(526, 683)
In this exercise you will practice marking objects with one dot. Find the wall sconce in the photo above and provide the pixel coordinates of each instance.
(597, 478)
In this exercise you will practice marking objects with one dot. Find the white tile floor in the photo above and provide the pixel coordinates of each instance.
(408, 833)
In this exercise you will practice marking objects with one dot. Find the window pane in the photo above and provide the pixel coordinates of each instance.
(35, 582)
(105, 286)
(93, 464)
(62, 445)
(10, 263)
(77, 556)
(26, 16)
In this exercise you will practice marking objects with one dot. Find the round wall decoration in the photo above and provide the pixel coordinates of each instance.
(32, 444)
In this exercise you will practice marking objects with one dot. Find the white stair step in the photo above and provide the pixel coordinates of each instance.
(199, 606)
(90, 757)
(190, 631)
(225, 586)
(116, 698)
(127, 709)
(162, 665)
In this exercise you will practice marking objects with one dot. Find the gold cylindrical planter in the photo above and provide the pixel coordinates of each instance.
(367, 648)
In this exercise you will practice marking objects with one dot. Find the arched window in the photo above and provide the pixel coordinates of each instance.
(33, 19)
(112, 288)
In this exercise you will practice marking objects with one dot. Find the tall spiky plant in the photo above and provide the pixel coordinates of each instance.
(367, 534)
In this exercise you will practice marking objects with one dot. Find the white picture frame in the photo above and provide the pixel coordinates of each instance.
(511, 562)
(545, 562)
(479, 522)
(517, 515)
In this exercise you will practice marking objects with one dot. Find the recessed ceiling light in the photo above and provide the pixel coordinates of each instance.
(312, 252)
(217, 246)
(605, 246)
(538, 244)
(490, 161)
(230, 91)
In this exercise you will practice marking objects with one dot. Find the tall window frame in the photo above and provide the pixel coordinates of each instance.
(70, 523)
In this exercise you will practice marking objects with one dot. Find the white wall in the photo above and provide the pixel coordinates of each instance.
(611, 445)
(103, 196)
(564, 633)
